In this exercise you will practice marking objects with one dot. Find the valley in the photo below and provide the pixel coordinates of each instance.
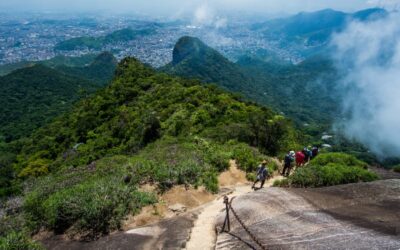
(136, 130)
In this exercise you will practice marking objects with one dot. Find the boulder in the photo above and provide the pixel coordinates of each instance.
(353, 216)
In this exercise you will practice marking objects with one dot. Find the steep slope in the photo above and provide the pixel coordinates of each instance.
(100, 70)
(193, 58)
(33, 96)
(98, 43)
(142, 106)
(303, 92)
(308, 33)
(54, 62)
(144, 128)
(30, 97)
(353, 216)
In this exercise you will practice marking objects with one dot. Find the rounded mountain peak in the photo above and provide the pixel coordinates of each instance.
(187, 46)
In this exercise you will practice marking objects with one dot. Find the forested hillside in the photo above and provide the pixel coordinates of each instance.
(98, 43)
(146, 127)
(100, 70)
(304, 92)
(308, 33)
(32, 96)
(57, 61)
(142, 106)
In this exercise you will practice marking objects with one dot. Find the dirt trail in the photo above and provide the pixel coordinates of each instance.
(203, 235)
(182, 215)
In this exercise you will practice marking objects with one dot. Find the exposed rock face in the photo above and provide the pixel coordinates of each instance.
(167, 234)
(355, 216)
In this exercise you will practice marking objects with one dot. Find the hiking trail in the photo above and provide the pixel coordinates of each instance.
(203, 234)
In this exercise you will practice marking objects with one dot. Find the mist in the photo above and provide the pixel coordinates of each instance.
(178, 8)
(368, 57)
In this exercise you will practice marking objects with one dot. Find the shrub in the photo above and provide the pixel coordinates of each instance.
(251, 177)
(339, 158)
(219, 159)
(272, 166)
(90, 206)
(210, 181)
(281, 183)
(329, 175)
(397, 169)
(332, 169)
(18, 241)
(248, 159)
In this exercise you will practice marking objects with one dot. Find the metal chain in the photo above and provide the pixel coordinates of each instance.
(253, 237)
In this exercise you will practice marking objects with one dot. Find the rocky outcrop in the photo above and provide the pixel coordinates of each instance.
(168, 234)
(354, 216)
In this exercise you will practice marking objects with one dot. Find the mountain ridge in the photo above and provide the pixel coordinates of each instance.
(267, 83)
(35, 94)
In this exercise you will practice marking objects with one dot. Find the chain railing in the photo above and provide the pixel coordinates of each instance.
(227, 225)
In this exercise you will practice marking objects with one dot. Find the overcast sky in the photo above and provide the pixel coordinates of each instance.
(180, 7)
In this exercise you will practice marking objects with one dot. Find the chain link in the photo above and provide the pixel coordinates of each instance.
(252, 236)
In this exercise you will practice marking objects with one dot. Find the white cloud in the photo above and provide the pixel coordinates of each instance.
(368, 54)
(204, 15)
(389, 4)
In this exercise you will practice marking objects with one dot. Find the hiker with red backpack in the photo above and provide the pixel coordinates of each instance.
(300, 157)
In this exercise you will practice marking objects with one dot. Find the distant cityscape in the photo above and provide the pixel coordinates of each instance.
(33, 38)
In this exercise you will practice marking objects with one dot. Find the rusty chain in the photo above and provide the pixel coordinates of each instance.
(252, 236)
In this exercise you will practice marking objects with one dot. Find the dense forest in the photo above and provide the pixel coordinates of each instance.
(32, 96)
(305, 92)
(60, 60)
(146, 127)
(87, 143)
(98, 43)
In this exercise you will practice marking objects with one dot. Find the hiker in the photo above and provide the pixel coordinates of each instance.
(262, 174)
(307, 154)
(289, 158)
(314, 152)
(299, 159)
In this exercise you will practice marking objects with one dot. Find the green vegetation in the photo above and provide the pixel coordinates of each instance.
(93, 200)
(88, 201)
(18, 241)
(313, 29)
(33, 96)
(97, 43)
(8, 68)
(82, 172)
(330, 169)
(281, 183)
(80, 42)
(80, 61)
(192, 58)
(141, 107)
(338, 158)
(54, 62)
(397, 169)
(100, 70)
(329, 175)
(295, 90)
